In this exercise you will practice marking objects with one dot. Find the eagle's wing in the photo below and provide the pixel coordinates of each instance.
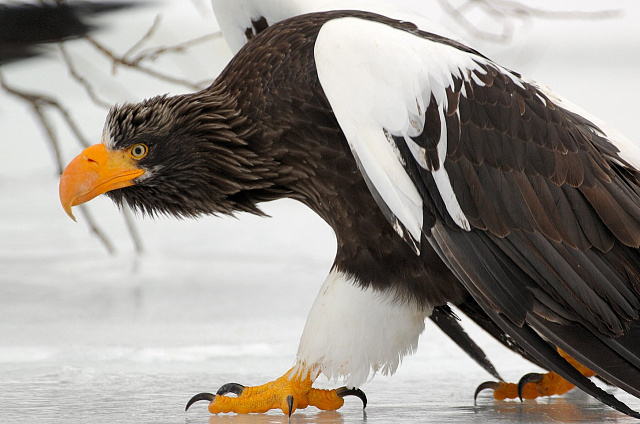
(533, 206)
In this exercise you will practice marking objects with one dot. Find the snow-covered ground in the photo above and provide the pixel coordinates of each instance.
(89, 337)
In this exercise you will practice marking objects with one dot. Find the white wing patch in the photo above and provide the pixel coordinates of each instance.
(441, 177)
(380, 80)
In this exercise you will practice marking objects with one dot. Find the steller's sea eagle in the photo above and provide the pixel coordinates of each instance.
(446, 178)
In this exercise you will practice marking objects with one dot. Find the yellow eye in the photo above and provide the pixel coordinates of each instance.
(138, 151)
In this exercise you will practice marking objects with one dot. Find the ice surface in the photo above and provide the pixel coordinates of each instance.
(91, 338)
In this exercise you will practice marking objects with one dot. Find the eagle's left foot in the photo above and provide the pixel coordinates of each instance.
(288, 393)
(534, 385)
(530, 386)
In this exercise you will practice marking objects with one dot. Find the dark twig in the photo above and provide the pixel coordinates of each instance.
(39, 103)
(121, 60)
(96, 230)
(506, 12)
(81, 80)
(516, 8)
(136, 61)
(153, 53)
(133, 230)
(145, 37)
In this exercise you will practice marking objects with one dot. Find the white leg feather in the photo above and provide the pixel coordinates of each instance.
(353, 333)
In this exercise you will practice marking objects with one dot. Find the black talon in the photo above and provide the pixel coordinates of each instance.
(290, 404)
(532, 377)
(493, 385)
(200, 396)
(343, 391)
(234, 388)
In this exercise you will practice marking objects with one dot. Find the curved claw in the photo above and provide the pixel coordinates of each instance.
(290, 404)
(532, 377)
(493, 385)
(343, 392)
(200, 396)
(234, 388)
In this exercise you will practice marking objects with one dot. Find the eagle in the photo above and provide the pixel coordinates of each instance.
(447, 179)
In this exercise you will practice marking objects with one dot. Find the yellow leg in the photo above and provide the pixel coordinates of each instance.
(290, 392)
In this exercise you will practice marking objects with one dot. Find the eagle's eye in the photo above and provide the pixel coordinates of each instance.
(138, 151)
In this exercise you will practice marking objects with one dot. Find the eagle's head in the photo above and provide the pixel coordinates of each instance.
(183, 156)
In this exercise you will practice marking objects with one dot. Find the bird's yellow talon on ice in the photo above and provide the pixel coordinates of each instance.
(290, 392)
(535, 385)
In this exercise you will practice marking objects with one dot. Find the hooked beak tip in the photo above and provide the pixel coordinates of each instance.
(70, 214)
(67, 197)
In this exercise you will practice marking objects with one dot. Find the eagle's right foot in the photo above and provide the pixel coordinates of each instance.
(288, 393)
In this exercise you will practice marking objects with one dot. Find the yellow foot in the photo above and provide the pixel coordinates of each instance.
(530, 386)
(534, 385)
(290, 392)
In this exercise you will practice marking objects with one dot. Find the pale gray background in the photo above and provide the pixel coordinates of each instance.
(88, 337)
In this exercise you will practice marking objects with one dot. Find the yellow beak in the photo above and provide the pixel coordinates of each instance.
(93, 172)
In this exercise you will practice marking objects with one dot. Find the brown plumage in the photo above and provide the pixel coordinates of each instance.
(550, 258)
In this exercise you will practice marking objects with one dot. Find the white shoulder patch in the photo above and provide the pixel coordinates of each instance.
(380, 80)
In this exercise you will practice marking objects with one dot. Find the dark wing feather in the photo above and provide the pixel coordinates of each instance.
(446, 320)
(532, 207)
(542, 329)
(556, 226)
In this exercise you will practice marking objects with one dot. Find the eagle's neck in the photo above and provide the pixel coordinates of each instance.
(246, 160)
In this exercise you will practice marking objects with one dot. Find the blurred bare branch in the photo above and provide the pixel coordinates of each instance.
(138, 61)
(39, 103)
(88, 87)
(135, 58)
(146, 36)
(153, 53)
(125, 61)
(507, 14)
(93, 227)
